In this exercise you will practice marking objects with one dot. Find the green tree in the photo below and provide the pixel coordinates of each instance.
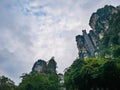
(116, 51)
(34, 81)
(40, 81)
(110, 74)
(6, 83)
(72, 75)
(93, 73)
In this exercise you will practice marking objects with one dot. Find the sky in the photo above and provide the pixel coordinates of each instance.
(39, 29)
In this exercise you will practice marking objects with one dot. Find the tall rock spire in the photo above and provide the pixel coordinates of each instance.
(85, 45)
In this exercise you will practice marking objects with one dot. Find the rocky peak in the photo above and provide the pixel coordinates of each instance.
(44, 67)
(100, 21)
(52, 65)
(85, 45)
(118, 7)
(39, 66)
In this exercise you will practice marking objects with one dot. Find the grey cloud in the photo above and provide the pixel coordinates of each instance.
(11, 64)
(15, 41)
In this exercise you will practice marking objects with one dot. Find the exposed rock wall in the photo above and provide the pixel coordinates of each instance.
(85, 45)
(39, 66)
(42, 66)
(89, 44)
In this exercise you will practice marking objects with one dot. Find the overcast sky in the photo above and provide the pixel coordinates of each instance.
(39, 29)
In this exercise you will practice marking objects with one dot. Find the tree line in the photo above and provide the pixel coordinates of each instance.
(93, 74)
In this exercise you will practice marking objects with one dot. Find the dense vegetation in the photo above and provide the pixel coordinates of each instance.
(6, 83)
(40, 81)
(102, 72)
(111, 41)
(36, 81)
(93, 73)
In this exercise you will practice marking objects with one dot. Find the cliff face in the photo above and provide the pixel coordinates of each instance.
(85, 46)
(42, 66)
(101, 21)
(39, 66)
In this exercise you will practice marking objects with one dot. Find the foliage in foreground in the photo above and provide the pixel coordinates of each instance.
(6, 83)
(36, 81)
(40, 81)
(93, 73)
